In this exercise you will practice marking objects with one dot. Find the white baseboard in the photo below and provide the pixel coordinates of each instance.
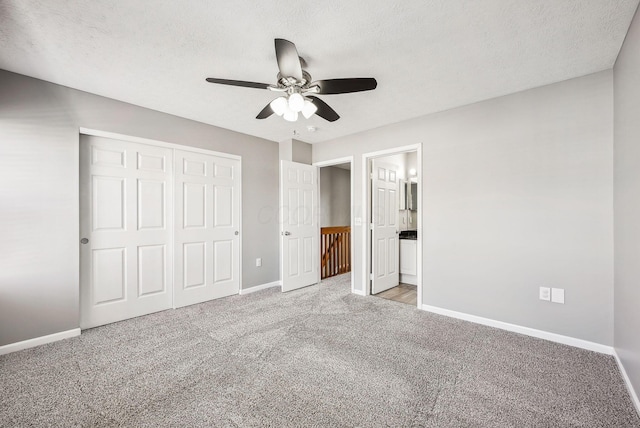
(541, 334)
(627, 382)
(260, 287)
(37, 341)
(360, 292)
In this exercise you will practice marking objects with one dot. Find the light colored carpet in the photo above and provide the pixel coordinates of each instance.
(313, 357)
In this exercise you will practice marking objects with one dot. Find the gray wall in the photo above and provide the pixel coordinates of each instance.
(335, 196)
(301, 152)
(39, 139)
(517, 194)
(627, 203)
(295, 151)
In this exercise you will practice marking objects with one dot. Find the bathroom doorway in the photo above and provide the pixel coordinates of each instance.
(393, 244)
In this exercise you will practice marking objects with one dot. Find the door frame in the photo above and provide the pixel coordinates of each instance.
(366, 202)
(332, 162)
(171, 203)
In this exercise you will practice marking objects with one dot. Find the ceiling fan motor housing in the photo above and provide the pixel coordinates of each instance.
(286, 82)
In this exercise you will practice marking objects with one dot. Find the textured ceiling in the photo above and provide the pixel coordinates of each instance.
(427, 56)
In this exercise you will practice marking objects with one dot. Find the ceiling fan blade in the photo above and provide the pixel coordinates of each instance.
(238, 83)
(265, 112)
(345, 86)
(324, 111)
(288, 60)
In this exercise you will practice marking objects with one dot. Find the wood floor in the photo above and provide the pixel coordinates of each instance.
(403, 293)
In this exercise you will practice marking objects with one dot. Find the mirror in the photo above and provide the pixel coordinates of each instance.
(403, 196)
(409, 195)
(413, 197)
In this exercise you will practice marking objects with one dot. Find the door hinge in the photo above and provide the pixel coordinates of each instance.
(371, 226)
(371, 276)
(371, 176)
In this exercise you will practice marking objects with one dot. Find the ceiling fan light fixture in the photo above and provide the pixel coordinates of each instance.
(279, 106)
(296, 102)
(291, 116)
(293, 82)
(309, 109)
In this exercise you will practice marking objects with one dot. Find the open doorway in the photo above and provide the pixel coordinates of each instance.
(335, 202)
(393, 242)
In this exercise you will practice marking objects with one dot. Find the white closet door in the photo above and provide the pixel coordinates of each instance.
(207, 241)
(384, 235)
(126, 267)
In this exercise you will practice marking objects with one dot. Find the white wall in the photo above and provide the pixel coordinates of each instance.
(627, 203)
(517, 194)
(400, 161)
(335, 196)
(411, 162)
(39, 140)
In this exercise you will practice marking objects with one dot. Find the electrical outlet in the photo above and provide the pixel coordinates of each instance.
(258, 262)
(557, 295)
(545, 293)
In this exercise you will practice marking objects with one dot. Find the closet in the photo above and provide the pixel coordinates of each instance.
(159, 228)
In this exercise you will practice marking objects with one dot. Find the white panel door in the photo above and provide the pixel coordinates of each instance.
(300, 232)
(385, 230)
(207, 240)
(125, 222)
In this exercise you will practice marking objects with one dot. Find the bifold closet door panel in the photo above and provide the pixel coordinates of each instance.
(207, 229)
(126, 259)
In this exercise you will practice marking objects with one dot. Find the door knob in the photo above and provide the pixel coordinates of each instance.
(236, 232)
(84, 241)
(287, 233)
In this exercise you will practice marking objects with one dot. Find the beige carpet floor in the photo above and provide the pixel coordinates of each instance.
(319, 357)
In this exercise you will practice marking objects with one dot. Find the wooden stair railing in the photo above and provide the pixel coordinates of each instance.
(335, 251)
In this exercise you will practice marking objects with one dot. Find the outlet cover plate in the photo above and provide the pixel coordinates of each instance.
(557, 295)
(545, 293)
(258, 262)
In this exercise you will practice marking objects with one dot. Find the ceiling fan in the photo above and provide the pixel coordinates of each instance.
(295, 84)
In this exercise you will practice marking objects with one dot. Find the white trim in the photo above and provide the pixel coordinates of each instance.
(331, 162)
(627, 382)
(359, 292)
(260, 287)
(149, 141)
(366, 206)
(541, 334)
(37, 341)
(393, 151)
(420, 226)
(281, 219)
(240, 231)
(353, 247)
